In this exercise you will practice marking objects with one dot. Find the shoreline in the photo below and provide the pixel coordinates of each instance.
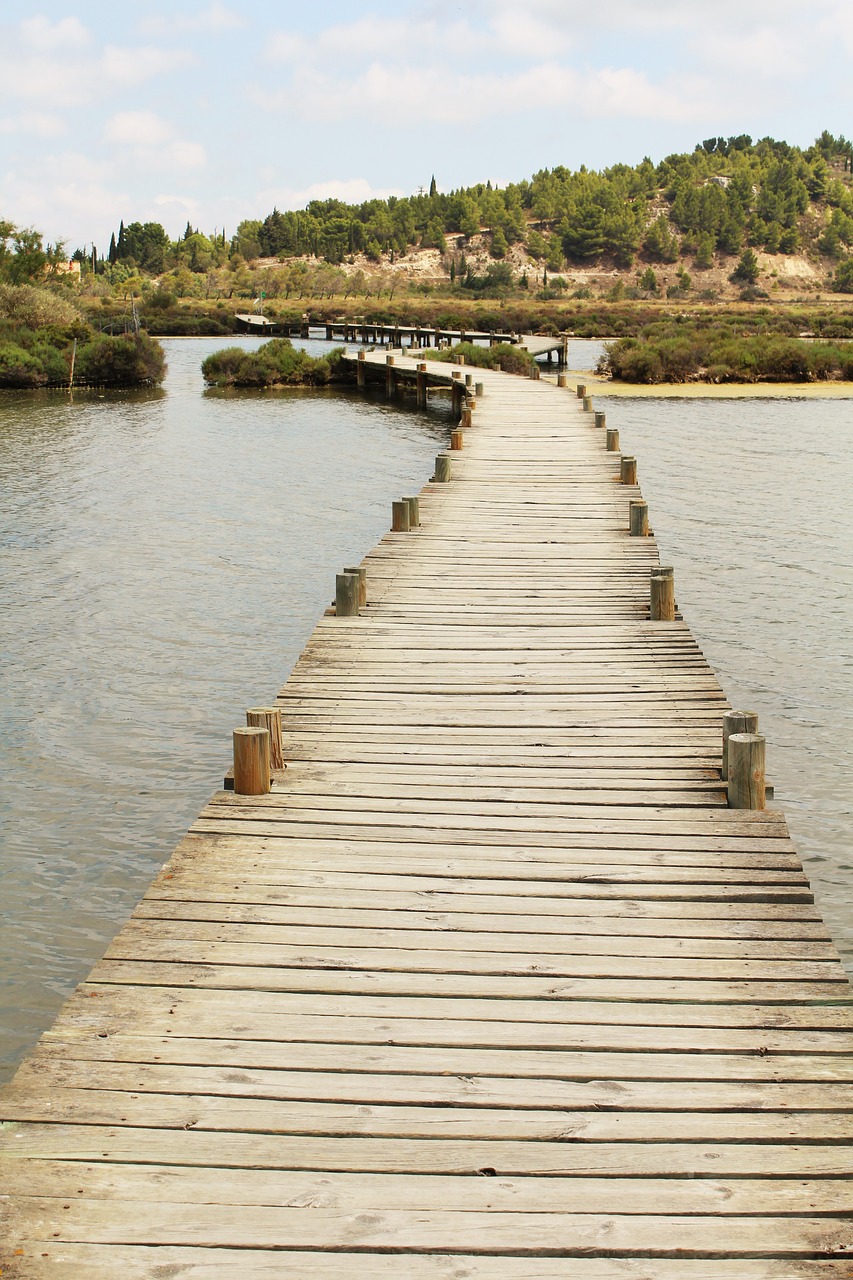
(603, 387)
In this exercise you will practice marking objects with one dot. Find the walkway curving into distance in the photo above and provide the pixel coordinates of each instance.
(493, 983)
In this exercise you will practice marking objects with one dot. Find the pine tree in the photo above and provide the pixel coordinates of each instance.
(433, 189)
(121, 247)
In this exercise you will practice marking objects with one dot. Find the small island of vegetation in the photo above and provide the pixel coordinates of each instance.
(275, 364)
(685, 349)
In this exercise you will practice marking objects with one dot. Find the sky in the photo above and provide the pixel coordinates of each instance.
(215, 112)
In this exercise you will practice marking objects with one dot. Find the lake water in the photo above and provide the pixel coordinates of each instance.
(164, 556)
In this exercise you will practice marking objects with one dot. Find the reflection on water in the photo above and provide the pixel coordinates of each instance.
(163, 558)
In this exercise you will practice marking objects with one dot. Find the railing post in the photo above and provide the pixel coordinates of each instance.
(747, 789)
(638, 519)
(662, 595)
(346, 595)
(268, 718)
(251, 762)
(735, 722)
(362, 582)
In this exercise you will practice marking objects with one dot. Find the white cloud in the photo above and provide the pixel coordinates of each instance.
(350, 190)
(150, 141)
(132, 66)
(42, 34)
(216, 17)
(37, 124)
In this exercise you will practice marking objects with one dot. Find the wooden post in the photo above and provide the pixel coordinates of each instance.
(442, 469)
(581, 390)
(359, 369)
(747, 789)
(414, 512)
(662, 595)
(460, 359)
(534, 373)
(421, 385)
(400, 522)
(612, 439)
(600, 419)
(587, 404)
(346, 595)
(362, 582)
(479, 389)
(735, 722)
(638, 519)
(628, 470)
(456, 396)
(389, 376)
(268, 718)
(469, 379)
(562, 380)
(251, 762)
(457, 438)
(465, 417)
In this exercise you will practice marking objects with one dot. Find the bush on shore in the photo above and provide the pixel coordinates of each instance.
(712, 353)
(276, 364)
(503, 355)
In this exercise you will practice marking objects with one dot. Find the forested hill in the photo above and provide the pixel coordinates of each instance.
(726, 195)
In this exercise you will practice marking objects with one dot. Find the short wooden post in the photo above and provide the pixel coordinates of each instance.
(457, 439)
(534, 373)
(747, 788)
(400, 522)
(735, 722)
(627, 469)
(587, 404)
(662, 595)
(359, 375)
(389, 376)
(251, 762)
(469, 379)
(414, 512)
(600, 419)
(562, 380)
(362, 582)
(479, 389)
(612, 439)
(268, 718)
(581, 390)
(442, 469)
(346, 595)
(465, 417)
(638, 519)
(460, 360)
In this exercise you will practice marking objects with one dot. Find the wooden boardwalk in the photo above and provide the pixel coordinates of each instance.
(493, 984)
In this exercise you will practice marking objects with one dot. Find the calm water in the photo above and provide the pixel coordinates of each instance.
(164, 557)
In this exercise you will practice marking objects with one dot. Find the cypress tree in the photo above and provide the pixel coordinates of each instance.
(113, 253)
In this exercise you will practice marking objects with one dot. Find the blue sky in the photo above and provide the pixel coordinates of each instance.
(214, 112)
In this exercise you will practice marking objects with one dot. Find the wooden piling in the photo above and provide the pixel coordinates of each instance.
(638, 519)
(400, 522)
(390, 384)
(627, 469)
(581, 390)
(442, 469)
(612, 440)
(587, 404)
(600, 419)
(362, 582)
(746, 771)
(346, 595)
(251, 762)
(662, 595)
(479, 389)
(562, 380)
(421, 385)
(414, 512)
(736, 722)
(360, 370)
(268, 718)
(457, 438)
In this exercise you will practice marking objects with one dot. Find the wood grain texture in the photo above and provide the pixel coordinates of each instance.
(492, 984)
